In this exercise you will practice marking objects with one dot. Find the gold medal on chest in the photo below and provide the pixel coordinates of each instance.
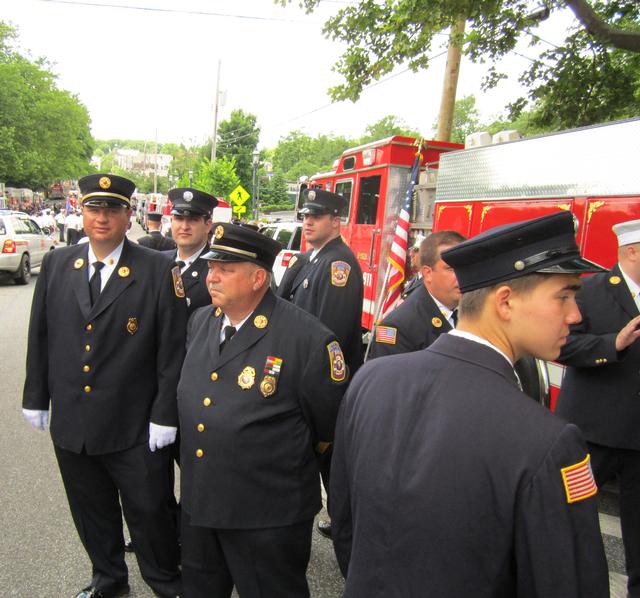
(268, 386)
(247, 378)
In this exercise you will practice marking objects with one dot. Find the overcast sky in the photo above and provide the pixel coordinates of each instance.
(142, 65)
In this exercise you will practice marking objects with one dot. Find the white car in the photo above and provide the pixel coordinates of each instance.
(290, 235)
(23, 243)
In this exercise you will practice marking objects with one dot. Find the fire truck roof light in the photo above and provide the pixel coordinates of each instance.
(368, 157)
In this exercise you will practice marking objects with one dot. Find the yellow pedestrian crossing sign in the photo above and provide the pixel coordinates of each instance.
(239, 196)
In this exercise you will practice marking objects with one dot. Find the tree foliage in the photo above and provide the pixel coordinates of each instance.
(219, 178)
(604, 46)
(237, 139)
(44, 131)
(273, 194)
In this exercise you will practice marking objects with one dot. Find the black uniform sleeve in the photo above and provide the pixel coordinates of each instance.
(322, 387)
(289, 276)
(403, 343)
(171, 325)
(585, 349)
(340, 504)
(36, 386)
(336, 305)
(558, 546)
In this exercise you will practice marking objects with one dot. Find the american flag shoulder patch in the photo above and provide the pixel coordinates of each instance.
(578, 480)
(386, 334)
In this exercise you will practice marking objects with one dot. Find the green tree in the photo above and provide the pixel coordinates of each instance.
(384, 35)
(273, 193)
(237, 138)
(44, 131)
(219, 179)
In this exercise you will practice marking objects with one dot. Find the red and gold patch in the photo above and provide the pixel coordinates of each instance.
(178, 287)
(340, 273)
(336, 362)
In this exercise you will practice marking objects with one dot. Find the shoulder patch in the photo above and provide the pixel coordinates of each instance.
(178, 287)
(336, 362)
(386, 334)
(340, 273)
(578, 480)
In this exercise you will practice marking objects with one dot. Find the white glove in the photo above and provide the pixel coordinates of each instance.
(161, 436)
(37, 418)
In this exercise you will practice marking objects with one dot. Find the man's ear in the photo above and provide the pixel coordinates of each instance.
(502, 300)
(426, 273)
(260, 278)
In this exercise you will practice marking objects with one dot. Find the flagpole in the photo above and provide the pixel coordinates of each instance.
(378, 310)
(385, 292)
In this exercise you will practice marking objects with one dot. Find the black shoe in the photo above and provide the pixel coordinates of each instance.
(324, 527)
(113, 592)
(128, 546)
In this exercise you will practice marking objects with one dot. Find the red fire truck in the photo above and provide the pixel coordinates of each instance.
(591, 172)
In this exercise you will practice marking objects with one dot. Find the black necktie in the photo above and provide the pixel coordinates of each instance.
(96, 282)
(180, 264)
(454, 317)
(229, 331)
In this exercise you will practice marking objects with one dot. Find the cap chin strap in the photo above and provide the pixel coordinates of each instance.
(549, 254)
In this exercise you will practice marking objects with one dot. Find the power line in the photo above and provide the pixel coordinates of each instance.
(180, 11)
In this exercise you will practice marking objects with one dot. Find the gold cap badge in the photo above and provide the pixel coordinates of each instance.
(123, 272)
(78, 263)
(104, 182)
(219, 232)
(260, 321)
(436, 322)
(615, 280)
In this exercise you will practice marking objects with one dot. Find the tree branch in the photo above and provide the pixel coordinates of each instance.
(624, 40)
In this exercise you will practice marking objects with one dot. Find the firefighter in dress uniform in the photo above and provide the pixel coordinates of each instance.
(105, 347)
(429, 310)
(446, 480)
(258, 398)
(191, 212)
(155, 239)
(326, 281)
(600, 388)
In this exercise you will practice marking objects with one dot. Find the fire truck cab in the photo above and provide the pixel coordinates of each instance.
(373, 178)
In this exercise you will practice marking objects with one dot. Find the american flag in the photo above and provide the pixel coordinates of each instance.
(578, 481)
(398, 251)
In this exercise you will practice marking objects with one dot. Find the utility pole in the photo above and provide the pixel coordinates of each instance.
(452, 70)
(214, 141)
(155, 165)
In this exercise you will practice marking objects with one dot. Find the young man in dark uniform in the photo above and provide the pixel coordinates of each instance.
(258, 397)
(191, 212)
(155, 239)
(601, 386)
(447, 481)
(429, 310)
(106, 342)
(326, 281)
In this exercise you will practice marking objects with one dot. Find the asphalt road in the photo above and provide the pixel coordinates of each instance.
(40, 554)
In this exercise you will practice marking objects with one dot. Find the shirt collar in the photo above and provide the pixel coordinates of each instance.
(446, 312)
(109, 261)
(478, 339)
(192, 258)
(633, 287)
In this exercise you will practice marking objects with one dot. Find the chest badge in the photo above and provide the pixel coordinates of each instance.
(436, 322)
(78, 263)
(132, 326)
(247, 378)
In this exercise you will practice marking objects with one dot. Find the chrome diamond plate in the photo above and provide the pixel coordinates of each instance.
(598, 160)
